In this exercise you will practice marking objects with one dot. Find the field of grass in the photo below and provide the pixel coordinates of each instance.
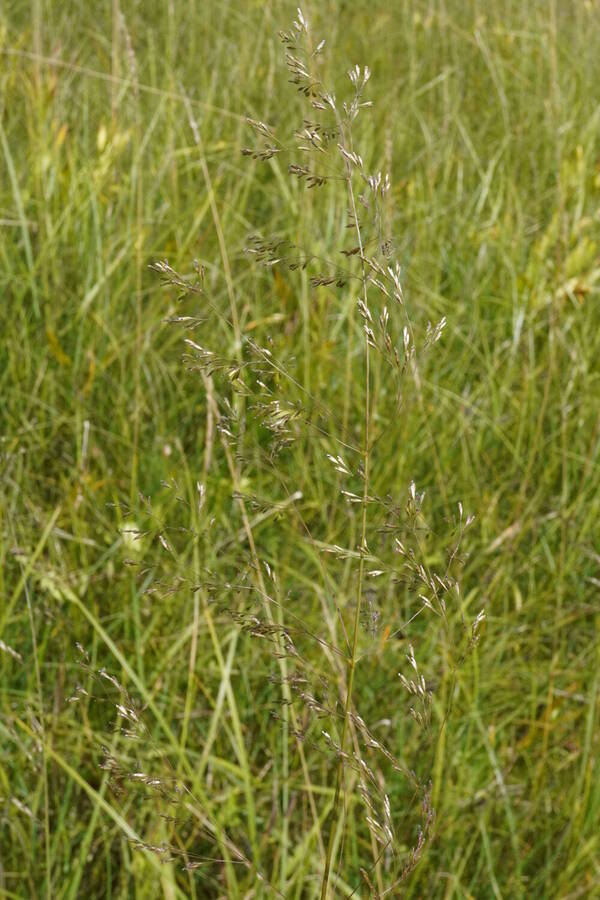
(121, 130)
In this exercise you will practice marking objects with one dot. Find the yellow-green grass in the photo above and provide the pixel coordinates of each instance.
(488, 117)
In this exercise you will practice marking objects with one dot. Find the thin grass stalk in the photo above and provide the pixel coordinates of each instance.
(115, 64)
(285, 767)
(361, 565)
(38, 682)
(287, 697)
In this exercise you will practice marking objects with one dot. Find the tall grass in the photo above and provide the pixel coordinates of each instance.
(256, 387)
(486, 118)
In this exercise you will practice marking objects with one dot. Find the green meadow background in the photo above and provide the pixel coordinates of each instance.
(487, 115)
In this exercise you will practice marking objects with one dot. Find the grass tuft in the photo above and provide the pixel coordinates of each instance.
(234, 539)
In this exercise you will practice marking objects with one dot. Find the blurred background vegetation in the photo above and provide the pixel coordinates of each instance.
(487, 115)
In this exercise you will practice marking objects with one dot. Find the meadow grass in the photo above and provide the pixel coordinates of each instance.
(121, 137)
